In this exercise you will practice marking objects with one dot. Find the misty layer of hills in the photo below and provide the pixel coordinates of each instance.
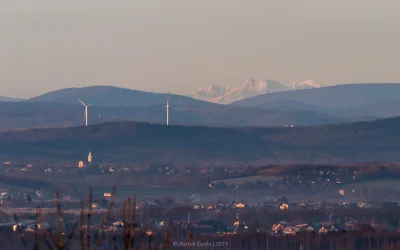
(60, 109)
(335, 104)
(15, 115)
(143, 142)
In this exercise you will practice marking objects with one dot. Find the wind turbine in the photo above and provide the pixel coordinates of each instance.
(167, 106)
(86, 110)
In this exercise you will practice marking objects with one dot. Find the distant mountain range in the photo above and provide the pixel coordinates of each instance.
(60, 109)
(315, 106)
(139, 142)
(250, 88)
(114, 96)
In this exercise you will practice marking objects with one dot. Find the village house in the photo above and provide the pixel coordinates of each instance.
(238, 204)
(197, 206)
(291, 230)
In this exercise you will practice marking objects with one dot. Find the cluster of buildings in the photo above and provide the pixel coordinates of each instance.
(226, 227)
(221, 217)
(285, 228)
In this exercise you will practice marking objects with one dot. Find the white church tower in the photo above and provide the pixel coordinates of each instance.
(89, 158)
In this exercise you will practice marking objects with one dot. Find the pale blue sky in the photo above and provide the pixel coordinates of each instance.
(185, 44)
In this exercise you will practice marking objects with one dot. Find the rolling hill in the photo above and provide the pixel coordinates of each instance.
(112, 97)
(367, 112)
(293, 105)
(150, 143)
(333, 97)
(382, 109)
(9, 99)
(43, 114)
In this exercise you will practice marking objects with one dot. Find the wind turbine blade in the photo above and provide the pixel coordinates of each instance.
(80, 101)
(91, 104)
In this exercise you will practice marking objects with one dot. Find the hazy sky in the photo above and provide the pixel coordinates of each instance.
(185, 44)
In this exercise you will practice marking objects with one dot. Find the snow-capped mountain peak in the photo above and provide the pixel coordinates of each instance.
(252, 85)
(252, 88)
(307, 84)
(249, 88)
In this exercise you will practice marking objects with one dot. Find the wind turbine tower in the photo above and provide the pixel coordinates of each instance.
(86, 110)
(167, 106)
